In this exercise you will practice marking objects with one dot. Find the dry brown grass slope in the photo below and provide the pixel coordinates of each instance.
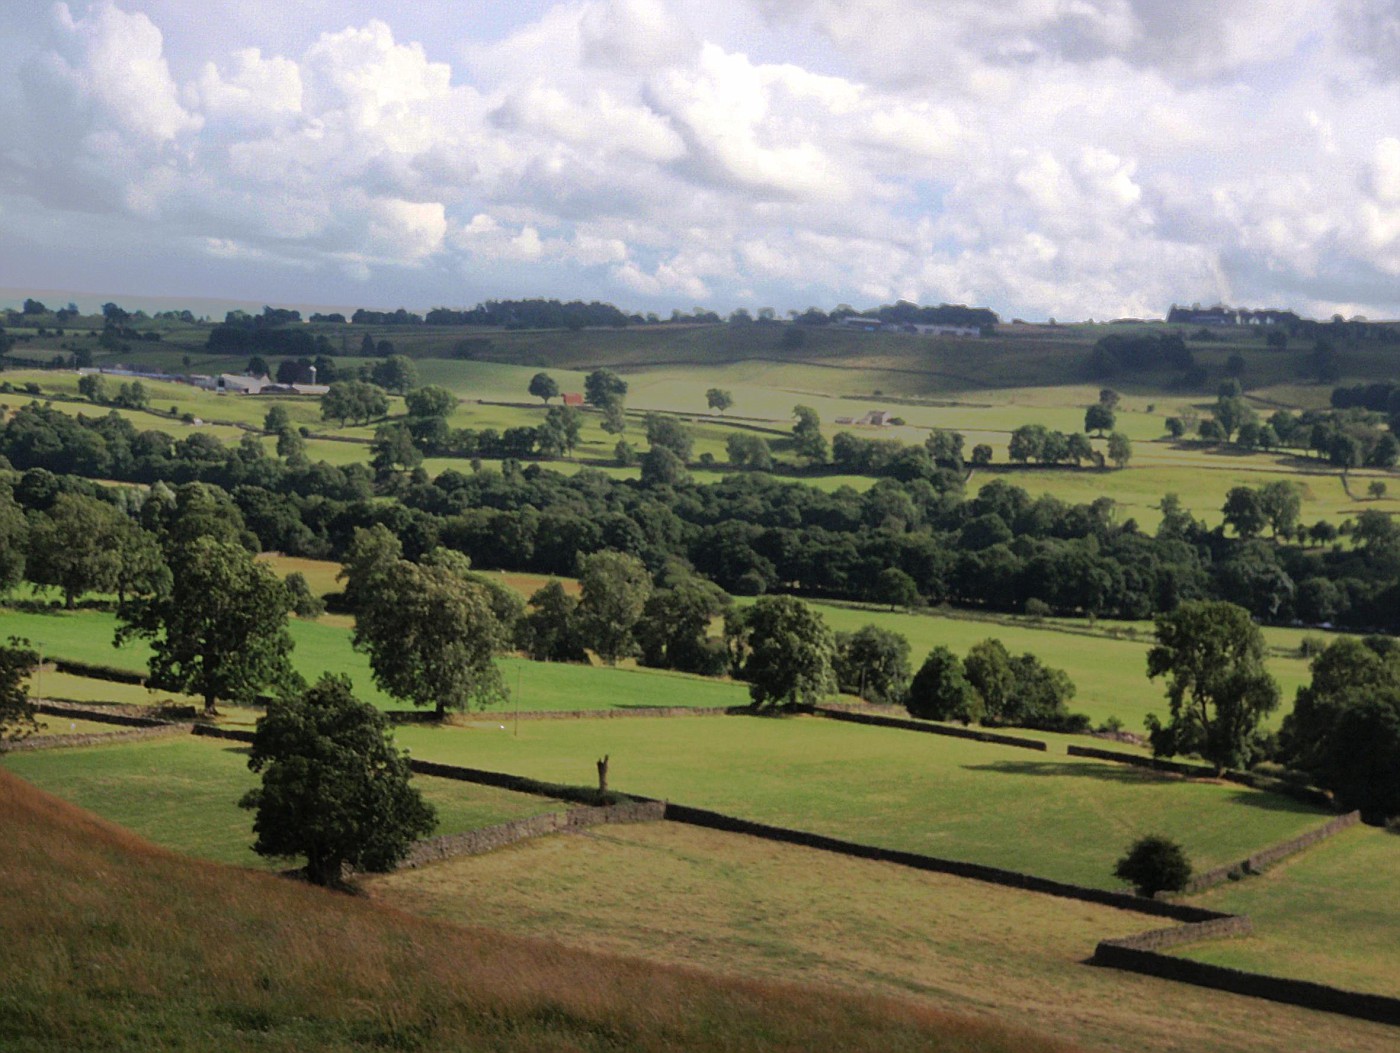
(108, 942)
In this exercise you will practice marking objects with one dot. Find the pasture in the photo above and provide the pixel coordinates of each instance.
(1052, 815)
(1327, 915)
(182, 793)
(725, 903)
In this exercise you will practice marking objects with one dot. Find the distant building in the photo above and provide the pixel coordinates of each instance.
(944, 330)
(860, 323)
(876, 418)
(573, 398)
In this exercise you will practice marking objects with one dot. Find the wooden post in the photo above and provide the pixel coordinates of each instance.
(603, 774)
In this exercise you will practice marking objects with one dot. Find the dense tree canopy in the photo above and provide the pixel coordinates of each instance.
(1219, 692)
(220, 631)
(334, 789)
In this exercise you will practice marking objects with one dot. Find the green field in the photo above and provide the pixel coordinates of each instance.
(725, 903)
(323, 647)
(182, 792)
(1052, 815)
(1327, 915)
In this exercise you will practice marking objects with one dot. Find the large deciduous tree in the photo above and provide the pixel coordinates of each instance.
(787, 651)
(1344, 730)
(940, 690)
(615, 588)
(873, 663)
(544, 387)
(77, 545)
(334, 788)
(1213, 657)
(17, 661)
(431, 632)
(220, 631)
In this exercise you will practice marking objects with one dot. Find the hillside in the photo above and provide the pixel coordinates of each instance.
(148, 950)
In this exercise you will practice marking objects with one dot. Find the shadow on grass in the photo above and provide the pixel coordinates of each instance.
(1124, 773)
(1066, 769)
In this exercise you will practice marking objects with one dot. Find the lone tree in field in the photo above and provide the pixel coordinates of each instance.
(789, 651)
(17, 661)
(718, 399)
(334, 788)
(220, 630)
(1154, 864)
(1212, 654)
(544, 387)
(1099, 418)
(431, 633)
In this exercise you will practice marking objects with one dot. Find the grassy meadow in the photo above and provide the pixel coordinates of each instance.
(1056, 816)
(726, 903)
(182, 792)
(159, 951)
(1327, 915)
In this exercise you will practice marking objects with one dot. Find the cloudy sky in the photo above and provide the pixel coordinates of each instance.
(1048, 158)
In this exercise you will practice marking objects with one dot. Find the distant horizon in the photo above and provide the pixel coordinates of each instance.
(215, 307)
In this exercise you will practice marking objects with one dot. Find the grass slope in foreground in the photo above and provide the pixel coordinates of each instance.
(1055, 816)
(680, 895)
(183, 793)
(1328, 915)
(164, 952)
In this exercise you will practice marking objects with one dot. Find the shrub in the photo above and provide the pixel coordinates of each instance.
(1154, 864)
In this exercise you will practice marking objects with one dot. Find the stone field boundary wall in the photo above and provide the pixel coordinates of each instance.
(1142, 954)
(1139, 954)
(53, 742)
(905, 724)
(1260, 861)
(490, 838)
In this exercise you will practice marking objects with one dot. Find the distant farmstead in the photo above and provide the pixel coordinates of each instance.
(862, 324)
(1222, 316)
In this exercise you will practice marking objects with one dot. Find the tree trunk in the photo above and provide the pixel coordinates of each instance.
(209, 710)
(603, 774)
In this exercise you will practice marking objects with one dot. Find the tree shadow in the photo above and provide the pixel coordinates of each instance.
(1104, 772)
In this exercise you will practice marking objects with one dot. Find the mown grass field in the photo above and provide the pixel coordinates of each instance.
(1328, 915)
(154, 951)
(182, 793)
(323, 647)
(1051, 815)
(681, 895)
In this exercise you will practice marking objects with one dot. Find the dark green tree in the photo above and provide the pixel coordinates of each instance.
(14, 541)
(551, 631)
(397, 373)
(277, 419)
(603, 388)
(1099, 418)
(615, 588)
(1120, 449)
(873, 664)
(718, 399)
(75, 546)
(430, 401)
(807, 438)
(787, 651)
(1154, 864)
(220, 632)
(544, 387)
(334, 788)
(431, 633)
(940, 690)
(673, 631)
(17, 661)
(1212, 654)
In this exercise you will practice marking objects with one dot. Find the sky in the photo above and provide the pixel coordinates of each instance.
(1063, 159)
